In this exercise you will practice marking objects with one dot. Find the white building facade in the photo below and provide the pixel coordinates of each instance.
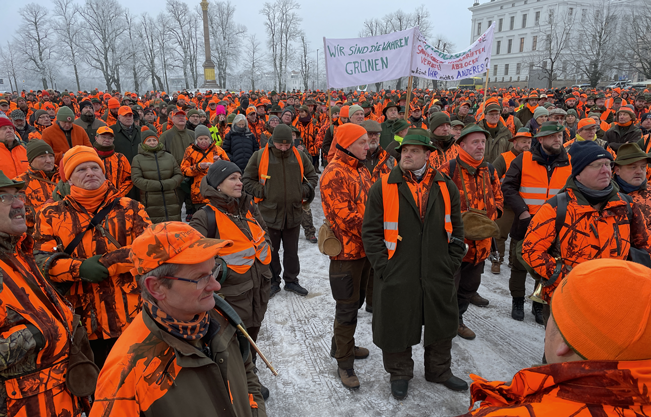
(518, 36)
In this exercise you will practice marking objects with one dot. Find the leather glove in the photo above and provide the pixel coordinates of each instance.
(92, 270)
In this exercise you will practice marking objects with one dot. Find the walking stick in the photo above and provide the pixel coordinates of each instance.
(235, 319)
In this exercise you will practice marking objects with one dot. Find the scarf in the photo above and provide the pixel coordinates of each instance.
(90, 199)
(104, 151)
(492, 129)
(419, 172)
(305, 120)
(187, 330)
(594, 197)
(627, 124)
(443, 142)
(579, 138)
(237, 129)
(465, 157)
(156, 148)
(626, 187)
(532, 108)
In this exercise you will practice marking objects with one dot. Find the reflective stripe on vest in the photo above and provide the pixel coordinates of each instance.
(263, 167)
(535, 188)
(391, 206)
(241, 256)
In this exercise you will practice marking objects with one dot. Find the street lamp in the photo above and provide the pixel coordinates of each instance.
(317, 68)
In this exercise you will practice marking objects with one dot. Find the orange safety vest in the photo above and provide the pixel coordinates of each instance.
(508, 158)
(391, 204)
(241, 255)
(263, 167)
(510, 124)
(535, 188)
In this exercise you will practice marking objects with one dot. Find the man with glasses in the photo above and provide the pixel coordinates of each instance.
(587, 130)
(181, 355)
(600, 222)
(90, 261)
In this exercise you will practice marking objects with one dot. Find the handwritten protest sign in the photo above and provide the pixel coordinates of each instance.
(359, 61)
(429, 62)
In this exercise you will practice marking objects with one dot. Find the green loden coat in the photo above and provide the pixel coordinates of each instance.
(416, 287)
(157, 176)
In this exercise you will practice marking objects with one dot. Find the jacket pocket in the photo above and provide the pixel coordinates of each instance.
(268, 210)
(341, 286)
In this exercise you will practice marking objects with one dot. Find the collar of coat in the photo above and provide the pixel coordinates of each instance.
(561, 161)
(188, 356)
(10, 243)
(346, 157)
(613, 197)
(396, 176)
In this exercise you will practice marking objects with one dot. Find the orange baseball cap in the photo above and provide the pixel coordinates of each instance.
(178, 111)
(174, 243)
(603, 312)
(124, 110)
(105, 129)
(250, 110)
(588, 121)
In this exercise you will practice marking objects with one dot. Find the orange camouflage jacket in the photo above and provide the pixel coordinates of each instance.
(345, 184)
(570, 389)
(586, 234)
(107, 307)
(480, 189)
(118, 172)
(643, 200)
(309, 132)
(190, 167)
(38, 191)
(439, 157)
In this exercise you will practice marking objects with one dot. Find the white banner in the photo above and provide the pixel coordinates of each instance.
(359, 61)
(429, 62)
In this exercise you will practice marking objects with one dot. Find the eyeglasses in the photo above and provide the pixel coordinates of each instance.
(203, 280)
(9, 198)
(599, 165)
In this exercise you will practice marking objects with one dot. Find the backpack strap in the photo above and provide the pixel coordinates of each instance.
(212, 222)
(629, 200)
(97, 219)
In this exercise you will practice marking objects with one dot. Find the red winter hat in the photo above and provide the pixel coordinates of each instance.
(349, 133)
(4, 121)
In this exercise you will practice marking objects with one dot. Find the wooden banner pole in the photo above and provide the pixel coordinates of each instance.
(407, 106)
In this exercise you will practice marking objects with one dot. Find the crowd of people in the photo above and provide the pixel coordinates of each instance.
(117, 303)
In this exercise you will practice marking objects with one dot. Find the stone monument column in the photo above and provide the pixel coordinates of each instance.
(208, 65)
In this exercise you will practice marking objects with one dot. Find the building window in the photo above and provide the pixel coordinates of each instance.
(524, 20)
(551, 15)
(564, 67)
(584, 13)
(495, 69)
(512, 24)
(509, 46)
(521, 44)
(490, 22)
(499, 45)
(544, 65)
(571, 11)
(537, 18)
(506, 69)
(534, 44)
(530, 67)
(518, 67)
(500, 25)
(478, 28)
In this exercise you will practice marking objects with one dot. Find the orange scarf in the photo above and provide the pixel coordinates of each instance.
(465, 157)
(532, 109)
(90, 199)
(490, 125)
(627, 124)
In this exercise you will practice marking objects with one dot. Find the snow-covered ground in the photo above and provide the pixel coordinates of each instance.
(296, 334)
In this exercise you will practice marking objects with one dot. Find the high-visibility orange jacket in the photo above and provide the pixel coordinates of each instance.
(440, 157)
(586, 234)
(581, 388)
(109, 306)
(33, 376)
(150, 373)
(345, 183)
(13, 162)
(535, 186)
(190, 166)
(38, 191)
(118, 172)
(57, 139)
(482, 191)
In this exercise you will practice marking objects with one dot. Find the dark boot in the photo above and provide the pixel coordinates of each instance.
(274, 289)
(517, 310)
(296, 288)
(537, 311)
(456, 384)
(399, 389)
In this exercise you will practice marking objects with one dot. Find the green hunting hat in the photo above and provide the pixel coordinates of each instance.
(6, 182)
(472, 129)
(630, 153)
(193, 112)
(549, 128)
(399, 125)
(416, 139)
(391, 104)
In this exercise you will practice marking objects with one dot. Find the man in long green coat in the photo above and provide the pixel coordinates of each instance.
(414, 265)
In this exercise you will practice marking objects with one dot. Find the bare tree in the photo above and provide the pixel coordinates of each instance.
(132, 52)
(104, 22)
(148, 33)
(67, 29)
(281, 21)
(35, 41)
(10, 62)
(553, 42)
(637, 41)
(594, 57)
(182, 28)
(253, 59)
(162, 41)
(226, 38)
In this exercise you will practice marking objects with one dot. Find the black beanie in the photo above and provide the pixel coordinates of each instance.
(85, 103)
(219, 171)
(584, 153)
